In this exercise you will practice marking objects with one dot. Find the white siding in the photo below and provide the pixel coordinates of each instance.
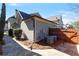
(18, 18)
(28, 29)
(9, 25)
(41, 29)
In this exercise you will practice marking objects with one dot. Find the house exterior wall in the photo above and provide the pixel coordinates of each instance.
(58, 20)
(10, 22)
(60, 23)
(28, 29)
(6, 27)
(41, 29)
(18, 18)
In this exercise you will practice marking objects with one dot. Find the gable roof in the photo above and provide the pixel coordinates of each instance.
(37, 14)
(44, 19)
(26, 16)
(11, 17)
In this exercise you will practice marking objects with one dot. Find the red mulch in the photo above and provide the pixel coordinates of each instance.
(41, 44)
(38, 45)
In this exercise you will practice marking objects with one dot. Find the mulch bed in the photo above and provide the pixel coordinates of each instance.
(38, 45)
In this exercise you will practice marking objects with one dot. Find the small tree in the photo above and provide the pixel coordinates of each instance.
(76, 25)
(2, 21)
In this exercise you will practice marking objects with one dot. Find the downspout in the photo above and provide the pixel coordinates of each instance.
(34, 33)
(34, 26)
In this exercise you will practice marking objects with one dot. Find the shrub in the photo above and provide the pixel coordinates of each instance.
(18, 33)
(10, 32)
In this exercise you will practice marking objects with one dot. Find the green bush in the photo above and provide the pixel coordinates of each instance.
(10, 32)
(17, 33)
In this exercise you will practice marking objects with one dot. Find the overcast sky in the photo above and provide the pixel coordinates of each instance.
(69, 12)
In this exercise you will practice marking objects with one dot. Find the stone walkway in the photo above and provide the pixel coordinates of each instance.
(11, 48)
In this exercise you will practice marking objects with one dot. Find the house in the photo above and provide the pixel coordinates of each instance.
(6, 26)
(34, 26)
(10, 21)
(57, 19)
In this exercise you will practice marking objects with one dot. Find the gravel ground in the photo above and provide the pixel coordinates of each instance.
(11, 48)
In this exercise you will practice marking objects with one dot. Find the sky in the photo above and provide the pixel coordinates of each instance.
(69, 12)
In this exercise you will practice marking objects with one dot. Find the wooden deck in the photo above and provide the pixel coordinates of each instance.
(70, 35)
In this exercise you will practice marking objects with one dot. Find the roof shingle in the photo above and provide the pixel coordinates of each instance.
(24, 15)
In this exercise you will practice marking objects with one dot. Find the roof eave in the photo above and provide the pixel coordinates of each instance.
(45, 19)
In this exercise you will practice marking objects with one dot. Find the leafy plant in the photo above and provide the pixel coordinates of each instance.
(76, 25)
(18, 33)
(10, 32)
